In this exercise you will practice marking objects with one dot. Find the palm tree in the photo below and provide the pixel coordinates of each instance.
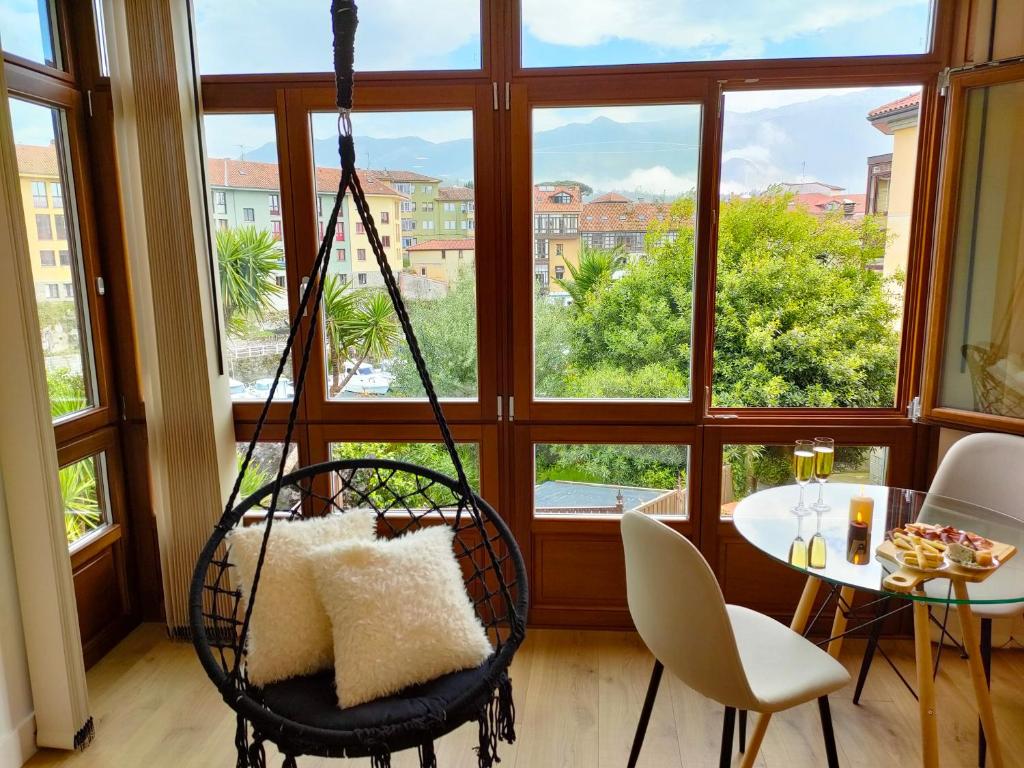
(247, 260)
(81, 502)
(358, 326)
(67, 392)
(595, 269)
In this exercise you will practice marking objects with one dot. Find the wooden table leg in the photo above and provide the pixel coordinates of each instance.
(925, 686)
(799, 623)
(754, 745)
(972, 645)
(839, 622)
(803, 608)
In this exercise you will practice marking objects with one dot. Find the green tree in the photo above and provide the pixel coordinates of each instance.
(78, 490)
(67, 392)
(359, 326)
(446, 331)
(248, 260)
(592, 274)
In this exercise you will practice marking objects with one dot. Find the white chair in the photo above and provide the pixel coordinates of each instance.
(978, 469)
(733, 655)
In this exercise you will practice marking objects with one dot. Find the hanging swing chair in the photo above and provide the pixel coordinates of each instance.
(301, 715)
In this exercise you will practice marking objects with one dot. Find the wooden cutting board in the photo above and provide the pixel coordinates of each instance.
(906, 579)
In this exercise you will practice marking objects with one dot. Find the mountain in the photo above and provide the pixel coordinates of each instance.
(826, 139)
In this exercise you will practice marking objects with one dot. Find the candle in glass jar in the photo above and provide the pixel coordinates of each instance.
(862, 508)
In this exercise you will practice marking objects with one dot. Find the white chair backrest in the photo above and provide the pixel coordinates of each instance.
(679, 611)
(986, 469)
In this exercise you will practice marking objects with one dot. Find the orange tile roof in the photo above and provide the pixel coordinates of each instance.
(913, 100)
(543, 203)
(818, 203)
(621, 217)
(34, 160)
(246, 174)
(611, 197)
(454, 193)
(466, 244)
(399, 175)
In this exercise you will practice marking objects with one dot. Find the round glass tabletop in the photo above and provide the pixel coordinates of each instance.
(848, 558)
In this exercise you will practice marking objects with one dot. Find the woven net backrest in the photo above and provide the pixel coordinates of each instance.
(995, 391)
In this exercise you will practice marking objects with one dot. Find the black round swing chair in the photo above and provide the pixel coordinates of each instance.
(301, 716)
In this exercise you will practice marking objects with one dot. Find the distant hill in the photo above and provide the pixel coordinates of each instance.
(826, 139)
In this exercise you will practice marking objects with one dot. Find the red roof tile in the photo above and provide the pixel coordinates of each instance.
(400, 175)
(543, 201)
(36, 160)
(610, 197)
(454, 193)
(913, 100)
(819, 204)
(246, 174)
(621, 217)
(466, 244)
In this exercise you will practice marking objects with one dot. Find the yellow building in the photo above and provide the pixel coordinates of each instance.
(556, 232)
(46, 222)
(385, 207)
(894, 197)
(441, 260)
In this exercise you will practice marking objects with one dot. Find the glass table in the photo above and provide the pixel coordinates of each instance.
(850, 564)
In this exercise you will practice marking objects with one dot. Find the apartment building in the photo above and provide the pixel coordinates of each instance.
(46, 222)
(442, 260)
(556, 230)
(419, 208)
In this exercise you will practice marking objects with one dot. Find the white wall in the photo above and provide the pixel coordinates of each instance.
(17, 725)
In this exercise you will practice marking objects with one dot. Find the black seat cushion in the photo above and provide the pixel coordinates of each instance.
(311, 701)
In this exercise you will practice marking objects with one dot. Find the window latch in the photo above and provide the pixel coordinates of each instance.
(914, 409)
(101, 287)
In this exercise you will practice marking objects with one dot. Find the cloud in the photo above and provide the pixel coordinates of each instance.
(740, 28)
(656, 180)
(295, 35)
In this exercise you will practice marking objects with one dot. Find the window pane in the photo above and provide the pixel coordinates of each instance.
(601, 479)
(614, 201)
(242, 174)
(811, 258)
(747, 469)
(263, 469)
(592, 32)
(983, 365)
(59, 284)
(295, 36)
(28, 31)
(83, 487)
(430, 455)
(419, 180)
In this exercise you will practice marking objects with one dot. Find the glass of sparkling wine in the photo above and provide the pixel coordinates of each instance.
(824, 458)
(803, 471)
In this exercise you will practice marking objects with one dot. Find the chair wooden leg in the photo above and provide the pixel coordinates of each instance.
(728, 723)
(743, 731)
(645, 713)
(986, 660)
(826, 729)
(869, 651)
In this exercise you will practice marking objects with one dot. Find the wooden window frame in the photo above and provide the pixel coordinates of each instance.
(960, 84)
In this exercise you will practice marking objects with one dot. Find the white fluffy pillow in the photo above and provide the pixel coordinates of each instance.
(289, 633)
(400, 613)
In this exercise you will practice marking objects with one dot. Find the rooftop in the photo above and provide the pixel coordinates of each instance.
(544, 199)
(37, 160)
(900, 113)
(403, 176)
(465, 244)
(248, 174)
(610, 216)
(454, 193)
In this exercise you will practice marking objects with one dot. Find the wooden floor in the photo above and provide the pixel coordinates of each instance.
(578, 695)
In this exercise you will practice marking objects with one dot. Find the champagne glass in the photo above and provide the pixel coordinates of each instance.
(798, 549)
(803, 471)
(824, 457)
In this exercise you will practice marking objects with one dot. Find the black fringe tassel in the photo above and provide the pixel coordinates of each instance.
(241, 742)
(380, 760)
(427, 757)
(289, 762)
(506, 711)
